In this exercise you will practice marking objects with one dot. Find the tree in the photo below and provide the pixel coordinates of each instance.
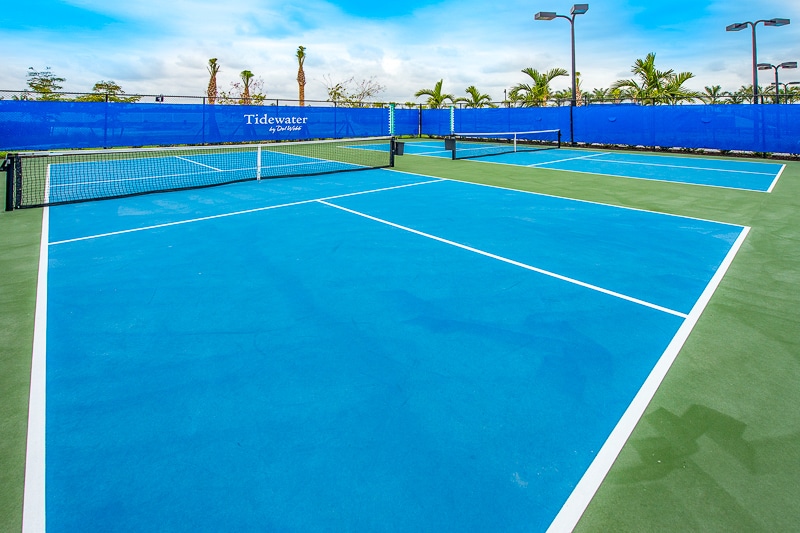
(301, 75)
(213, 69)
(714, 95)
(791, 94)
(44, 83)
(675, 92)
(654, 85)
(350, 93)
(562, 97)
(600, 94)
(246, 76)
(566, 94)
(536, 94)
(476, 98)
(247, 91)
(107, 91)
(436, 98)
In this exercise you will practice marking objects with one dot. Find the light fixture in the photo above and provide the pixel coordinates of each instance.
(579, 9)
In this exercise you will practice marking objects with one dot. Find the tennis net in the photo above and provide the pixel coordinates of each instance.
(36, 179)
(469, 145)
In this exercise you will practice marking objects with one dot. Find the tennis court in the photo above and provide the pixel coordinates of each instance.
(351, 351)
(697, 170)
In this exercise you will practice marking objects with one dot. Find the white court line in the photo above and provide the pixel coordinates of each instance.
(197, 163)
(660, 180)
(568, 159)
(684, 167)
(591, 202)
(33, 503)
(234, 213)
(577, 502)
(775, 181)
(511, 262)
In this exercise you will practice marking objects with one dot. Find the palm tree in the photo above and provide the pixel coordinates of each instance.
(655, 84)
(714, 95)
(564, 96)
(436, 98)
(213, 69)
(246, 76)
(675, 92)
(301, 75)
(578, 91)
(791, 94)
(538, 93)
(476, 98)
(598, 94)
(742, 94)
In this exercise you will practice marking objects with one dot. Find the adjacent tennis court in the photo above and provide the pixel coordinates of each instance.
(696, 170)
(351, 351)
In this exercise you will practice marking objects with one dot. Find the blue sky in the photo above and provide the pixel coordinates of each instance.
(162, 47)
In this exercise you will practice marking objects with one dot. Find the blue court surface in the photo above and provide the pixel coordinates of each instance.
(728, 173)
(353, 352)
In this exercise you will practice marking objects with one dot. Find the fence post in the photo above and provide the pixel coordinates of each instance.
(105, 123)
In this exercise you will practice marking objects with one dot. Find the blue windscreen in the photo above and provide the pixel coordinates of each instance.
(37, 125)
(42, 125)
(407, 121)
(511, 119)
(773, 128)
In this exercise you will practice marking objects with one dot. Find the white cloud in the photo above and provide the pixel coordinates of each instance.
(163, 47)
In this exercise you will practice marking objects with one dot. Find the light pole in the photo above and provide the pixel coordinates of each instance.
(742, 25)
(767, 66)
(577, 9)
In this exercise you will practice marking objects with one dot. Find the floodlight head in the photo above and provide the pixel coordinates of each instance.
(788, 64)
(776, 22)
(579, 9)
(793, 83)
(764, 66)
(544, 15)
(736, 27)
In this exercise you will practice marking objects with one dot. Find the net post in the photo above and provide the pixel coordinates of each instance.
(258, 163)
(515, 142)
(559, 138)
(16, 162)
(392, 149)
(8, 166)
(450, 144)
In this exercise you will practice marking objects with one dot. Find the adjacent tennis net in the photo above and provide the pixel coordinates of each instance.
(37, 179)
(469, 145)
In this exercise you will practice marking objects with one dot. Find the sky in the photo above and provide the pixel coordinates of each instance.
(163, 46)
